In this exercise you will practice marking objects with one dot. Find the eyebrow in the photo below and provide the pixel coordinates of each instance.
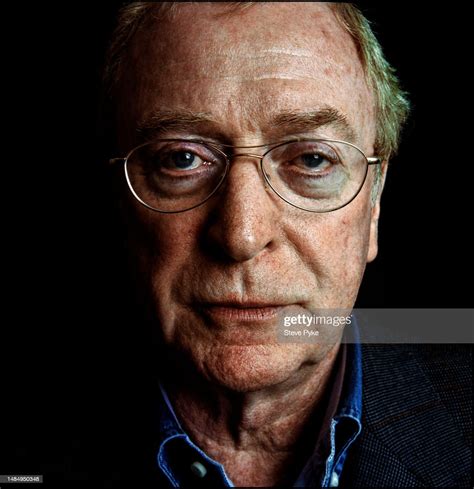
(292, 122)
(296, 122)
(174, 120)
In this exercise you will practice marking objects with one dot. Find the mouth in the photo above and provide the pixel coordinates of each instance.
(242, 312)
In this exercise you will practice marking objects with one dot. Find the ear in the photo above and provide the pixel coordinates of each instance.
(375, 213)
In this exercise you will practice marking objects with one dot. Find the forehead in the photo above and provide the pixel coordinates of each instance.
(245, 64)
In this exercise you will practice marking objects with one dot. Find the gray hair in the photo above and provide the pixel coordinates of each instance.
(392, 106)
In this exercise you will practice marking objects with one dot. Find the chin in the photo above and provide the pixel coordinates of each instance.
(252, 368)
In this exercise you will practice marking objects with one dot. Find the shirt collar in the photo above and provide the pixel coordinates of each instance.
(342, 421)
(351, 396)
(173, 439)
(347, 422)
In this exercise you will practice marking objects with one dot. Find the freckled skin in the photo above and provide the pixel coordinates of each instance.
(246, 399)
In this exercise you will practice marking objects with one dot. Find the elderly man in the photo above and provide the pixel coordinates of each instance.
(254, 140)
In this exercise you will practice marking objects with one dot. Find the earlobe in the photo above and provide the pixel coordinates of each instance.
(374, 218)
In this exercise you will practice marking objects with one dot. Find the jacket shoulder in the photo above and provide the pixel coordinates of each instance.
(417, 417)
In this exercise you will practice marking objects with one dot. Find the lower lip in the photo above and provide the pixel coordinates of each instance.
(243, 314)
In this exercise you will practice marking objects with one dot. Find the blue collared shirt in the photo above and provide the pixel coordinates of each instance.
(183, 463)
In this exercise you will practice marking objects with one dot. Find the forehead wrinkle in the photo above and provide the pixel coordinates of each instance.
(238, 77)
(243, 51)
(294, 51)
(232, 66)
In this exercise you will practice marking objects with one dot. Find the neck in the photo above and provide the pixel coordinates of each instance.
(256, 435)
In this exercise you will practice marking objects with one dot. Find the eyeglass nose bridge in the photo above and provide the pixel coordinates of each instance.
(252, 155)
(266, 177)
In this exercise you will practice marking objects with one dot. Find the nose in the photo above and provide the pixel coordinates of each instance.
(245, 222)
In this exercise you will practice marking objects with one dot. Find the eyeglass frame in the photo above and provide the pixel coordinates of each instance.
(371, 160)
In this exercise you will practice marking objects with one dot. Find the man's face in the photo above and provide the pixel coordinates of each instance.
(219, 274)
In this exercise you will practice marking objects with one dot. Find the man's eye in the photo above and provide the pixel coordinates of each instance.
(306, 158)
(179, 160)
(313, 161)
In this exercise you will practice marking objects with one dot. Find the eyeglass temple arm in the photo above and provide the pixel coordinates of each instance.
(114, 161)
(374, 160)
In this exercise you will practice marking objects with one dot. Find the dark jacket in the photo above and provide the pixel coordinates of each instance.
(417, 418)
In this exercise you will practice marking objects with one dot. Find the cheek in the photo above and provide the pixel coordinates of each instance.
(334, 247)
(161, 244)
(354, 231)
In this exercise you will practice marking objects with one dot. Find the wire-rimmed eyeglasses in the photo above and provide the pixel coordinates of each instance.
(315, 175)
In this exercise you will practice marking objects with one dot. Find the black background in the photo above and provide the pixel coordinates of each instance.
(72, 351)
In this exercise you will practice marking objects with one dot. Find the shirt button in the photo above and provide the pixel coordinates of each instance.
(334, 480)
(198, 469)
